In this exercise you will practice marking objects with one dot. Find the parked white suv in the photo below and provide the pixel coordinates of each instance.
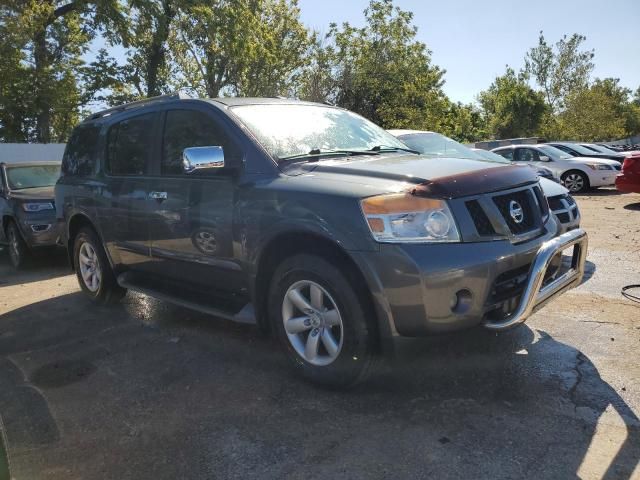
(577, 173)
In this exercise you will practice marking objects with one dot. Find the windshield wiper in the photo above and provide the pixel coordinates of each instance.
(385, 148)
(317, 153)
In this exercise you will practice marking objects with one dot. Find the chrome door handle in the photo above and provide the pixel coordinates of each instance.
(158, 195)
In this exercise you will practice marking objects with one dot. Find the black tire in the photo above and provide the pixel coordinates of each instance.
(571, 174)
(18, 250)
(108, 290)
(358, 353)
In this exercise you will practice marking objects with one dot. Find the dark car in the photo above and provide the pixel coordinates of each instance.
(27, 207)
(577, 150)
(308, 220)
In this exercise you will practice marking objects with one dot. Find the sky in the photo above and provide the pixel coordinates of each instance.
(474, 40)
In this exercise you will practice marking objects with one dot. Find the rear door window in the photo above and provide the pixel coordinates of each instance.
(129, 145)
(80, 155)
(526, 155)
(508, 153)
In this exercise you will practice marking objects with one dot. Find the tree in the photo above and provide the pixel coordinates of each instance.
(512, 107)
(594, 113)
(246, 47)
(561, 71)
(41, 96)
(383, 73)
(465, 123)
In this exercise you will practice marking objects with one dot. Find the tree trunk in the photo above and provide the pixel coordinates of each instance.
(157, 50)
(42, 107)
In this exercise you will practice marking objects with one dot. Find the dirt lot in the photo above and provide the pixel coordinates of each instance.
(147, 390)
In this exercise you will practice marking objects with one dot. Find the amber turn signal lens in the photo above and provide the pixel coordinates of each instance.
(398, 203)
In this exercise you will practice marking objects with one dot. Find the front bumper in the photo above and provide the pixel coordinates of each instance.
(602, 178)
(39, 229)
(430, 289)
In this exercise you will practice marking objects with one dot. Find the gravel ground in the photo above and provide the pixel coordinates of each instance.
(147, 390)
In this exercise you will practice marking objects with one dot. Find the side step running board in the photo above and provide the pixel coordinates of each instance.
(246, 315)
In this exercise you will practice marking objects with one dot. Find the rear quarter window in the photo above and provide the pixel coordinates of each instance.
(80, 154)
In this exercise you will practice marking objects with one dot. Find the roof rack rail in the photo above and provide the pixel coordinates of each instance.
(141, 103)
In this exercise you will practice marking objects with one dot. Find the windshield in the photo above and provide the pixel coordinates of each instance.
(287, 130)
(601, 149)
(580, 149)
(491, 156)
(554, 153)
(436, 145)
(32, 176)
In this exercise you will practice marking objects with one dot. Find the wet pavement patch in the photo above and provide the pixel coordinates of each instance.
(60, 374)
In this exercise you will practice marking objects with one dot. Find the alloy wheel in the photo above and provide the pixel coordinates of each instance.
(312, 322)
(574, 182)
(89, 267)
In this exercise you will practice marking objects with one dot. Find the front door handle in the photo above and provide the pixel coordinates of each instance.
(158, 195)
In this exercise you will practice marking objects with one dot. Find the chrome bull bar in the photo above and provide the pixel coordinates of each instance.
(535, 295)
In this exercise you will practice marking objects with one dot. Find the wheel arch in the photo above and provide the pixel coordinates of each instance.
(287, 244)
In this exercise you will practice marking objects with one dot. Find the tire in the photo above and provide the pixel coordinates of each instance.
(95, 276)
(344, 342)
(575, 181)
(18, 250)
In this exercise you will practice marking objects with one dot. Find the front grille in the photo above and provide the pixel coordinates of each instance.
(542, 201)
(563, 217)
(570, 200)
(530, 211)
(574, 212)
(555, 203)
(480, 219)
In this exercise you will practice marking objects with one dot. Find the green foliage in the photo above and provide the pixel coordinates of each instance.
(261, 48)
(600, 112)
(560, 71)
(513, 109)
(41, 44)
(383, 73)
(246, 47)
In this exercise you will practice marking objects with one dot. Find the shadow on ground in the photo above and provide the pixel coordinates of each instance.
(149, 390)
(633, 206)
(42, 265)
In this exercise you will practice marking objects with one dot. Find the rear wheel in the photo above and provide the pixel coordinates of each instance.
(575, 181)
(322, 322)
(93, 270)
(18, 250)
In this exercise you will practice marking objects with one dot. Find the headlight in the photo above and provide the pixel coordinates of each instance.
(599, 166)
(37, 207)
(403, 217)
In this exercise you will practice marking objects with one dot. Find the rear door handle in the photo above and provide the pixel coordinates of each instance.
(158, 195)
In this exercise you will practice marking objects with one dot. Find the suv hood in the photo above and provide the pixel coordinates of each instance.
(38, 193)
(445, 177)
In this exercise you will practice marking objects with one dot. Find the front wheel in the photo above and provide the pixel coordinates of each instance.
(322, 322)
(18, 250)
(93, 270)
(575, 181)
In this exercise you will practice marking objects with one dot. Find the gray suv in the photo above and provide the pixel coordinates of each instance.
(309, 221)
(27, 211)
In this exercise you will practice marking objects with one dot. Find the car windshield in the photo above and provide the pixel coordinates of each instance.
(32, 176)
(554, 153)
(436, 145)
(601, 149)
(491, 156)
(580, 149)
(290, 130)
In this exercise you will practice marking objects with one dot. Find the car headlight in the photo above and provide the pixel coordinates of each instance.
(599, 166)
(37, 206)
(403, 217)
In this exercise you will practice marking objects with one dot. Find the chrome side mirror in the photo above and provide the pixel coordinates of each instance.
(201, 158)
(544, 158)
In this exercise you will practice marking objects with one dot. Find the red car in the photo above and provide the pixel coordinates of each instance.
(629, 178)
